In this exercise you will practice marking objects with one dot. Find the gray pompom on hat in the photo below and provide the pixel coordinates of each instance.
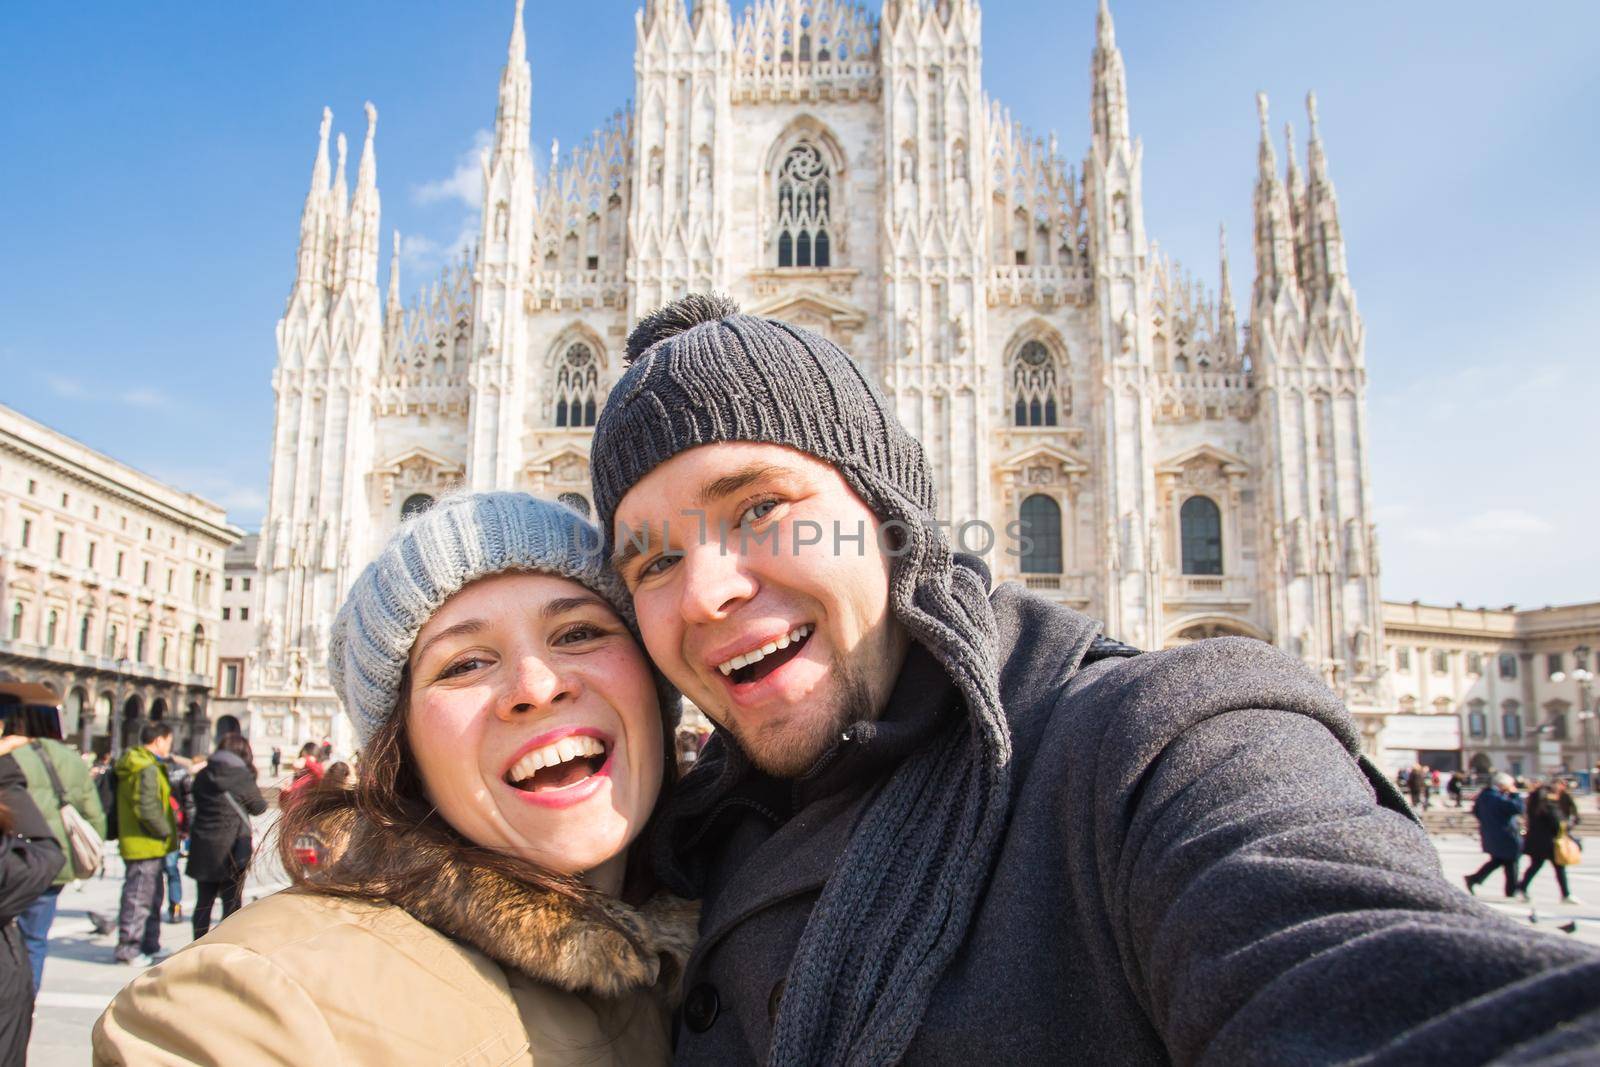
(432, 556)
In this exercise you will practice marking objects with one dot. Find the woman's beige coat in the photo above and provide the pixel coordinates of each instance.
(304, 978)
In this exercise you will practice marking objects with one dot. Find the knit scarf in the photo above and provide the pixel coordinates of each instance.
(896, 908)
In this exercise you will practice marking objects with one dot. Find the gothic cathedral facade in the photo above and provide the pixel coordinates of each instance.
(1177, 476)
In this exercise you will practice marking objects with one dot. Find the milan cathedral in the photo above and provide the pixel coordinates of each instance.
(1180, 474)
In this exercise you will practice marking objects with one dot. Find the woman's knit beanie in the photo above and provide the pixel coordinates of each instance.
(897, 906)
(434, 554)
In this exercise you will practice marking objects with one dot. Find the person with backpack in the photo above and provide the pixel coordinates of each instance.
(220, 845)
(59, 783)
(146, 831)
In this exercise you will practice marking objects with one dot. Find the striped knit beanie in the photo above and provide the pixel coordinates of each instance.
(896, 909)
(433, 555)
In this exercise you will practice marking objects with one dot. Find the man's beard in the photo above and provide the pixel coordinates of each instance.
(792, 750)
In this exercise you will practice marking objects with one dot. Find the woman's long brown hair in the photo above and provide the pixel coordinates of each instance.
(389, 797)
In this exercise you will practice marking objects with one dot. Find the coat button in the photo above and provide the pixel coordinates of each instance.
(700, 1007)
(774, 999)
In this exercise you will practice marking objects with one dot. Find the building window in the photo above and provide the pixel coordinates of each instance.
(1474, 662)
(111, 641)
(804, 219)
(1477, 721)
(1041, 525)
(1441, 661)
(1557, 720)
(33, 487)
(1036, 398)
(16, 621)
(90, 555)
(145, 579)
(27, 532)
(65, 500)
(1508, 666)
(227, 585)
(197, 660)
(61, 544)
(230, 680)
(166, 651)
(83, 634)
(171, 574)
(1201, 524)
(244, 584)
(244, 614)
(52, 623)
(415, 504)
(1552, 664)
(1402, 660)
(140, 640)
(1511, 720)
(577, 386)
(227, 613)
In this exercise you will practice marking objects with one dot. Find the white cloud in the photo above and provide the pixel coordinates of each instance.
(465, 183)
(69, 388)
(145, 397)
(1507, 522)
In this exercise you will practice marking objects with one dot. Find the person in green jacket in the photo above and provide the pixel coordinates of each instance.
(77, 787)
(146, 832)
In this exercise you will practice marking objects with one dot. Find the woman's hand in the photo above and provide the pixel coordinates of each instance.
(11, 742)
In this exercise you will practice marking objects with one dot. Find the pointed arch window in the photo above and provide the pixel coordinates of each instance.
(577, 386)
(1041, 525)
(1037, 398)
(804, 211)
(1201, 525)
(415, 504)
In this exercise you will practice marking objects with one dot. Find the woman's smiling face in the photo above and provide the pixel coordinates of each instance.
(535, 723)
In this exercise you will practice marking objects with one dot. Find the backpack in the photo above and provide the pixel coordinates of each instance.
(106, 785)
(88, 850)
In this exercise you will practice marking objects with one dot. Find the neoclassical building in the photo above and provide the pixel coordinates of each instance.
(110, 585)
(1181, 473)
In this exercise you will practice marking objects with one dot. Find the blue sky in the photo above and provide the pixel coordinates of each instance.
(156, 157)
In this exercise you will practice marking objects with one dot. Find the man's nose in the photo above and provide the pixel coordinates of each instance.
(715, 580)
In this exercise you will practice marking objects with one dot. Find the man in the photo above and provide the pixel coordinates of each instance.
(1497, 810)
(146, 831)
(53, 771)
(940, 824)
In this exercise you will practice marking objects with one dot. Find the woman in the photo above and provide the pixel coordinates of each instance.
(220, 845)
(1551, 812)
(470, 900)
(29, 861)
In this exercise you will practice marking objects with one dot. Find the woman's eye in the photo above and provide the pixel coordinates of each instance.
(463, 666)
(578, 634)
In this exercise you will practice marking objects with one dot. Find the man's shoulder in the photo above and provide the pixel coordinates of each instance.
(1142, 702)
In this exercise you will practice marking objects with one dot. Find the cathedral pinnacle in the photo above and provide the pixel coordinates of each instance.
(319, 169)
(1314, 154)
(1105, 32)
(1268, 158)
(516, 96)
(341, 188)
(1108, 97)
(367, 175)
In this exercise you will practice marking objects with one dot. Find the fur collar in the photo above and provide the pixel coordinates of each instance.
(539, 932)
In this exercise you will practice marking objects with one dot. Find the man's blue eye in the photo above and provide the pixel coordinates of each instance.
(657, 565)
(760, 510)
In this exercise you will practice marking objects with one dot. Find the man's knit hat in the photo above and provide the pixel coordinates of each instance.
(701, 373)
(431, 556)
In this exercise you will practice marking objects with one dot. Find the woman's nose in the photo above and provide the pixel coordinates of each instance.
(537, 685)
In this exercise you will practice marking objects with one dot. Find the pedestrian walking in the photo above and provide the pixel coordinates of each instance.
(941, 822)
(1497, 810)
(467, 905)
(30, 858)
(57, 777)
(1551, 814)
(1454, 789)
(180, 773)
(147, 830)
(277, 759)
(220, 840)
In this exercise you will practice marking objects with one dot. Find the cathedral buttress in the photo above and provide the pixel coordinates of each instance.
(1113, 191)
(936, 244)
(501, 377)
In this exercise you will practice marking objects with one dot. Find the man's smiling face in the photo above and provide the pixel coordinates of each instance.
(782, 642)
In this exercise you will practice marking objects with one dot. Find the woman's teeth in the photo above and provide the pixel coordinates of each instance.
(576, 746)
(799, 633)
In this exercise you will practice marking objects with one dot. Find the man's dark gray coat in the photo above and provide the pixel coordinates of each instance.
(1195, 869)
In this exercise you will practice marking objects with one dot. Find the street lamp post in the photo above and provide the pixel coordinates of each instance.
(1584, 677)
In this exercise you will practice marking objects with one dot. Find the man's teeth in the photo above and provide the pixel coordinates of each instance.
(575, 746)
(756, 655)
